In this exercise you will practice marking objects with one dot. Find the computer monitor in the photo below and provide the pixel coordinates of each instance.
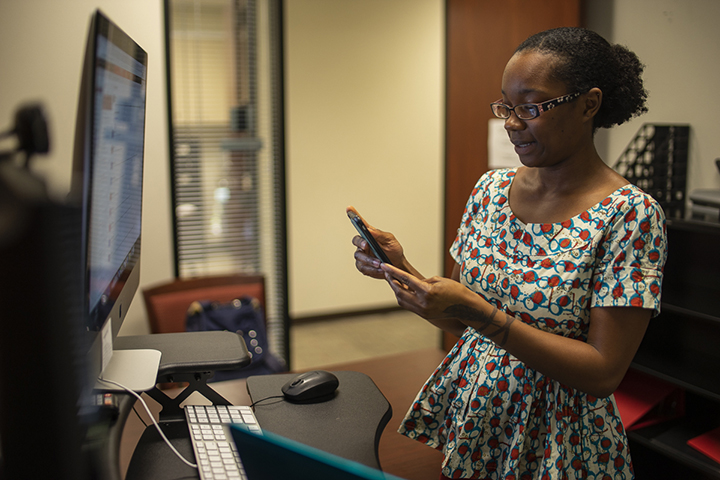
(69, 271)
(107, 182)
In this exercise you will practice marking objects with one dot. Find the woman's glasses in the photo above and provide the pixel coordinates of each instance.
(528, 111)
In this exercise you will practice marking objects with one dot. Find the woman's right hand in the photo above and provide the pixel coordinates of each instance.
(366, 262)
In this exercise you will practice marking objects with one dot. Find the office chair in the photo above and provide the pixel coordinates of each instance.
(167, 303)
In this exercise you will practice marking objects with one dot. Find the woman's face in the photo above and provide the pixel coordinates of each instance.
(558, 134)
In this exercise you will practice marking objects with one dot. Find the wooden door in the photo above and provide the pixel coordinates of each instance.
(481, 37)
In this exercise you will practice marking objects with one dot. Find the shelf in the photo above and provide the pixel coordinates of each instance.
(702, 381)
(682, 346)
(692, 276)
(699, 302)
(671, 438)
(712, 319)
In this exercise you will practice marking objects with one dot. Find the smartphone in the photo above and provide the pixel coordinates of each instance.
(365, 234)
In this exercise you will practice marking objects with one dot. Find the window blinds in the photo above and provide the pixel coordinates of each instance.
(225, 103)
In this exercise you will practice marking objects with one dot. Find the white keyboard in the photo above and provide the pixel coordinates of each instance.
(215, 452)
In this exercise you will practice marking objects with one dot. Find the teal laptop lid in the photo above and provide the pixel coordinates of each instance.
(268, 456)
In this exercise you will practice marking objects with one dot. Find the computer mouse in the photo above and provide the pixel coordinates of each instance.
(311, 387)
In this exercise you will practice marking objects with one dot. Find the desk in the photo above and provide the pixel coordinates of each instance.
(399, 377)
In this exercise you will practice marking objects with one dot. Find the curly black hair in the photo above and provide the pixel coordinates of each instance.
(586, 60)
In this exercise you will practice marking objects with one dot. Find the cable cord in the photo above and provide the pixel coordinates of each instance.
(147, 409)
(137, 414)
(266, 398)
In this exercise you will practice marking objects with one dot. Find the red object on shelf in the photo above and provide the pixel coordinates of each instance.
(707, 444)
(644, 400)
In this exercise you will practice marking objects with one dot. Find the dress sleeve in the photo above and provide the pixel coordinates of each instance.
(631, 257)
(472, 208)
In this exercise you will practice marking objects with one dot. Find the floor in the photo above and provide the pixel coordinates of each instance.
(329, 342)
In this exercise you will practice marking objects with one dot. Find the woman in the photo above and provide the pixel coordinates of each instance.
(559, 271)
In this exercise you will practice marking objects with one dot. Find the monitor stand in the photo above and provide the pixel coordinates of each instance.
(134, 369)
(190, 358)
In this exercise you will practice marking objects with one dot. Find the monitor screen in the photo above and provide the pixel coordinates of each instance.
(108, 179)
(115, 215)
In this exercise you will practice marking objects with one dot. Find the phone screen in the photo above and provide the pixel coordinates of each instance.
(365, 234)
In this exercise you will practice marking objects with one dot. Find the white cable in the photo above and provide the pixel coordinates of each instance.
(147, 409)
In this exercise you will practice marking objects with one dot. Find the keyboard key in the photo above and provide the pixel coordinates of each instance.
(215, 452)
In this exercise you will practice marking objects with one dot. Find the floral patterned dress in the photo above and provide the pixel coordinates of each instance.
(491, 415)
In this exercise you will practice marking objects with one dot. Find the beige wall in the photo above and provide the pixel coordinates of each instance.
(679, 42)
(365, 111)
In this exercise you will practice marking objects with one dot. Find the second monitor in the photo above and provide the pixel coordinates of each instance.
(108, 182)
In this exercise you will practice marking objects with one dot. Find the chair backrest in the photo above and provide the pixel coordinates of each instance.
(167, 303)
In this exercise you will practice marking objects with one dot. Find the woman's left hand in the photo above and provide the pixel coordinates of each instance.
(429, 298)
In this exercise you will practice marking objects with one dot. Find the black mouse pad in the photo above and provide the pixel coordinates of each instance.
(348, 425)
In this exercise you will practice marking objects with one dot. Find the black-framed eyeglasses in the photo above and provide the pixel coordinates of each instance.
(528, 111)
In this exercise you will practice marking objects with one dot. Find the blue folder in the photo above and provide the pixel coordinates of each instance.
(268, 456)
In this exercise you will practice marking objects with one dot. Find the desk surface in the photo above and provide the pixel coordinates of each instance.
(399, 377)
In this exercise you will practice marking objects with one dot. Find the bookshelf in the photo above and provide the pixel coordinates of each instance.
(682, 347)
